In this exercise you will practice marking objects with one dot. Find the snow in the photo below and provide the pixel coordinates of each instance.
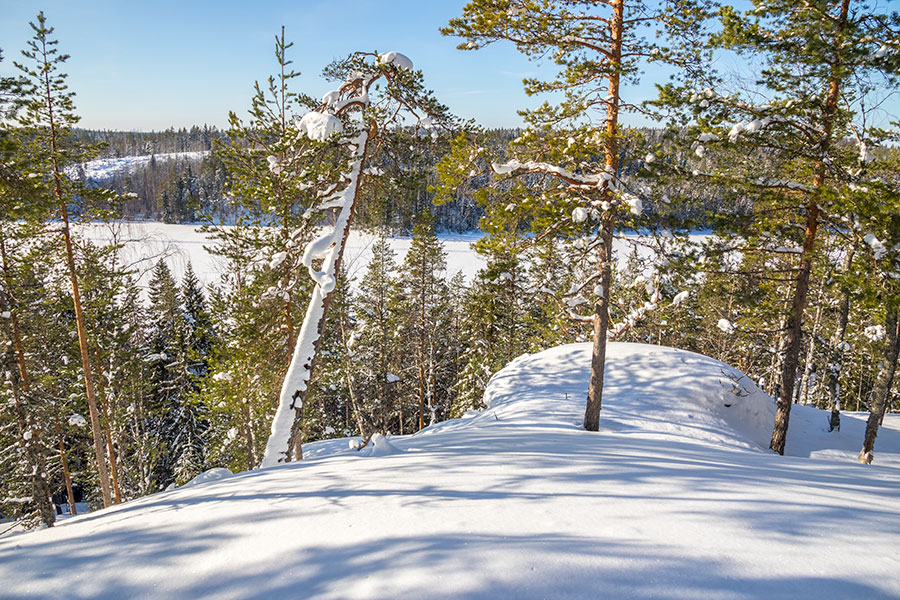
(680, 297)
(106, 168)
(401, 61)
(215, 474)
(146, 242)
(726, 325)
(379, 445)
(876, 245)
(579, 214)
(875, 333)
(77, 420)
(675, 497)
(319, 126)
(391, 378)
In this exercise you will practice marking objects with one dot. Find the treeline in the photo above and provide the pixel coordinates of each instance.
(190, 189)
(118, 144)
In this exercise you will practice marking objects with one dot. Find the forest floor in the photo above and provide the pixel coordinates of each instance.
(676, 497)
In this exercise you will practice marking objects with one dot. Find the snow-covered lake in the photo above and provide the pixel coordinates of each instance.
(144, 243)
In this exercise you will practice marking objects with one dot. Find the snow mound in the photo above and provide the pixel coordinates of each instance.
(379, 445)
(656, 390)
(675, 497)
(211, 475)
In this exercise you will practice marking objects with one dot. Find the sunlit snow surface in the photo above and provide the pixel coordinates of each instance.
(144, 243)
(105, 168)
(673, 498)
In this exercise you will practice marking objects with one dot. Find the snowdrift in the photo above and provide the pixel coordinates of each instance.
(676, 497)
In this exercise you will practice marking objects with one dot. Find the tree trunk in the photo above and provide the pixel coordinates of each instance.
(809, 365)
(364, 431)
(611, 150)
(96, 426)
(837, 351)
(64, 460)
(421, 353)
(76, 295)
(881, 394)
(248, 437)
(113, 469)
(798, 306)
(303, 363)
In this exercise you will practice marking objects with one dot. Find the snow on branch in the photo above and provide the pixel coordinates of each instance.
(515, 167)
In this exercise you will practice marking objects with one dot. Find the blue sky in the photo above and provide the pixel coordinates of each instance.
(154, 64)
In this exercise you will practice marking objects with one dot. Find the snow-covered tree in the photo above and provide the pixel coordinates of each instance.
(351, 117)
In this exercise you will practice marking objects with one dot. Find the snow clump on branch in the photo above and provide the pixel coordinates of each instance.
(319, 126)
(726, 326)
(401, 61)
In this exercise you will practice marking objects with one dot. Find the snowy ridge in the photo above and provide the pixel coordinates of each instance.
(673, 498)
(106, 168)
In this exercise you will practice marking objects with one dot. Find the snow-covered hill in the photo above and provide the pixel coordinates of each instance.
(102, 169)
(674, 498)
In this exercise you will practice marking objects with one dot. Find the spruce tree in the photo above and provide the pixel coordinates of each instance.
(426, 319)
(375, 349)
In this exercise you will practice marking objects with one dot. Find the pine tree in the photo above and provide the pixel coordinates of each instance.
(790, 153)
(598, 47)
(47, 118)
(343, 121)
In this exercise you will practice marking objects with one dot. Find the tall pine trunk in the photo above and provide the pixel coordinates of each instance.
(798, 306)
(837, 350)
(611, 149)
